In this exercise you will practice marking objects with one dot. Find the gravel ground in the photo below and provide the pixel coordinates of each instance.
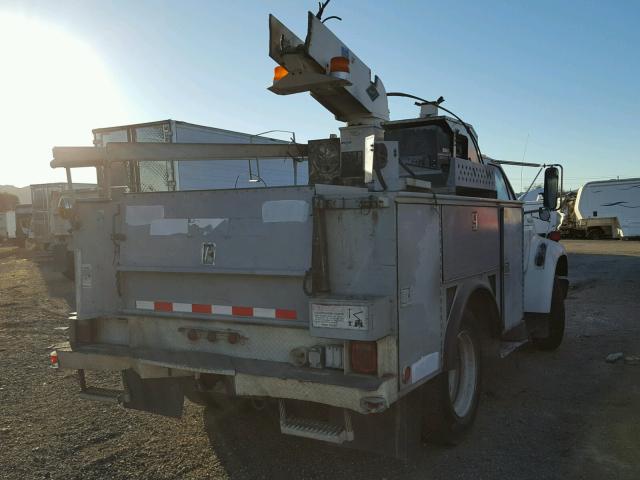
(566, 414)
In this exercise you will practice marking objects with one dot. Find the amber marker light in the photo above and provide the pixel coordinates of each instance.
(279, 73)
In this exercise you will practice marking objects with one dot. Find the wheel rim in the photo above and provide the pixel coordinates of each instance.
(463, 379)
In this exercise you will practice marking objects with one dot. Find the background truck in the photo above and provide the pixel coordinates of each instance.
(605, 209)
(48, 226)
(359, 306)
(23, 223)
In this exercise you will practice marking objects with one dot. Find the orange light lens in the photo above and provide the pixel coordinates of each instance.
(279, 73)
(406, 375)
(339, 64)
(364, 357)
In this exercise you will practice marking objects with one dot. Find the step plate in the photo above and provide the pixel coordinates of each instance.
(315, 430)
(507, 348)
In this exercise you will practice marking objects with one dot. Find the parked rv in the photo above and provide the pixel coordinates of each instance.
(359, 305)
(604, 209)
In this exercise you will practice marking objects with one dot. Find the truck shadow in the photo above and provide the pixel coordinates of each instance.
(249, 445)
(58, 286)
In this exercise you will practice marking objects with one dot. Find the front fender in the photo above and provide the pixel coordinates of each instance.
(539, 279)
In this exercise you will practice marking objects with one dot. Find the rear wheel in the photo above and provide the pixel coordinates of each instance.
(595, 233)
(555, 319)
(451, 399)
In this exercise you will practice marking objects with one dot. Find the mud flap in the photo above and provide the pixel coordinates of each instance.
(59, 251)
(162, 396)
(396, 432)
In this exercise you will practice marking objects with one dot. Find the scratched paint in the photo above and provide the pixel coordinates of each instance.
(425, 366)
(137, 215)
(206, 225)
(169, 226)
(282, 211)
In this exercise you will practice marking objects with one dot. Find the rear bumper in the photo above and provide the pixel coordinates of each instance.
(257, 378)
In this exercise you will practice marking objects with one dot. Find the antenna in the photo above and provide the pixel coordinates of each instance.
(524, 154)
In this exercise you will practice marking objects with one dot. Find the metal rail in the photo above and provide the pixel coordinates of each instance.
(77, 157)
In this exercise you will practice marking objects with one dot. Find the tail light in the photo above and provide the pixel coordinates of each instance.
(53, 358)
(555, 236)
(84, 331)
(364, 357)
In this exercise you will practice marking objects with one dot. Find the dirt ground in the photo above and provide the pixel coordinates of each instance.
(566, 414)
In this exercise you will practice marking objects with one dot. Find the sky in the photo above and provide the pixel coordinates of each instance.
(546, 81)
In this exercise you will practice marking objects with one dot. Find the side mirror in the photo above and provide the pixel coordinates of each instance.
(551, 182)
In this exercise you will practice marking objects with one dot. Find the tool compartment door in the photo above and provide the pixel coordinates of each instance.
(237, 255)
(512, 286)
(419, 306)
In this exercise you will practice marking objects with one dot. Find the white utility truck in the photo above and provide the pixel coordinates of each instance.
(360, 305)
(604, 209)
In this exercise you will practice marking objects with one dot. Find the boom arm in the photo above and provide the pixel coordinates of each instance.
(351, 96)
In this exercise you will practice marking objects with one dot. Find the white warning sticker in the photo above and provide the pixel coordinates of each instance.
(350, 317)
(86, 275)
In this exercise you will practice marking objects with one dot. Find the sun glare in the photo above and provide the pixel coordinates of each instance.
(53, 90)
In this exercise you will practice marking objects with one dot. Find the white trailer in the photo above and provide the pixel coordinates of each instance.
(174, 175)
(608, 208)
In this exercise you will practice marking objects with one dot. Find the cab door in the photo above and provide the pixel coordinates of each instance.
(511, 253)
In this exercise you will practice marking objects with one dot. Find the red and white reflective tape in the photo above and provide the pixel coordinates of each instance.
(208, 309)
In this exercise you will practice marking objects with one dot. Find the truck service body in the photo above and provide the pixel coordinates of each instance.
(369, 293)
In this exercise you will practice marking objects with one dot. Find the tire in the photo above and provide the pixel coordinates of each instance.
(203, 399)
(555, 319)
(595, 233)
(451, 399)
(216, 401)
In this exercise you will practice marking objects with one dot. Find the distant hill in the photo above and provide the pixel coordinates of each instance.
(24, 193)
